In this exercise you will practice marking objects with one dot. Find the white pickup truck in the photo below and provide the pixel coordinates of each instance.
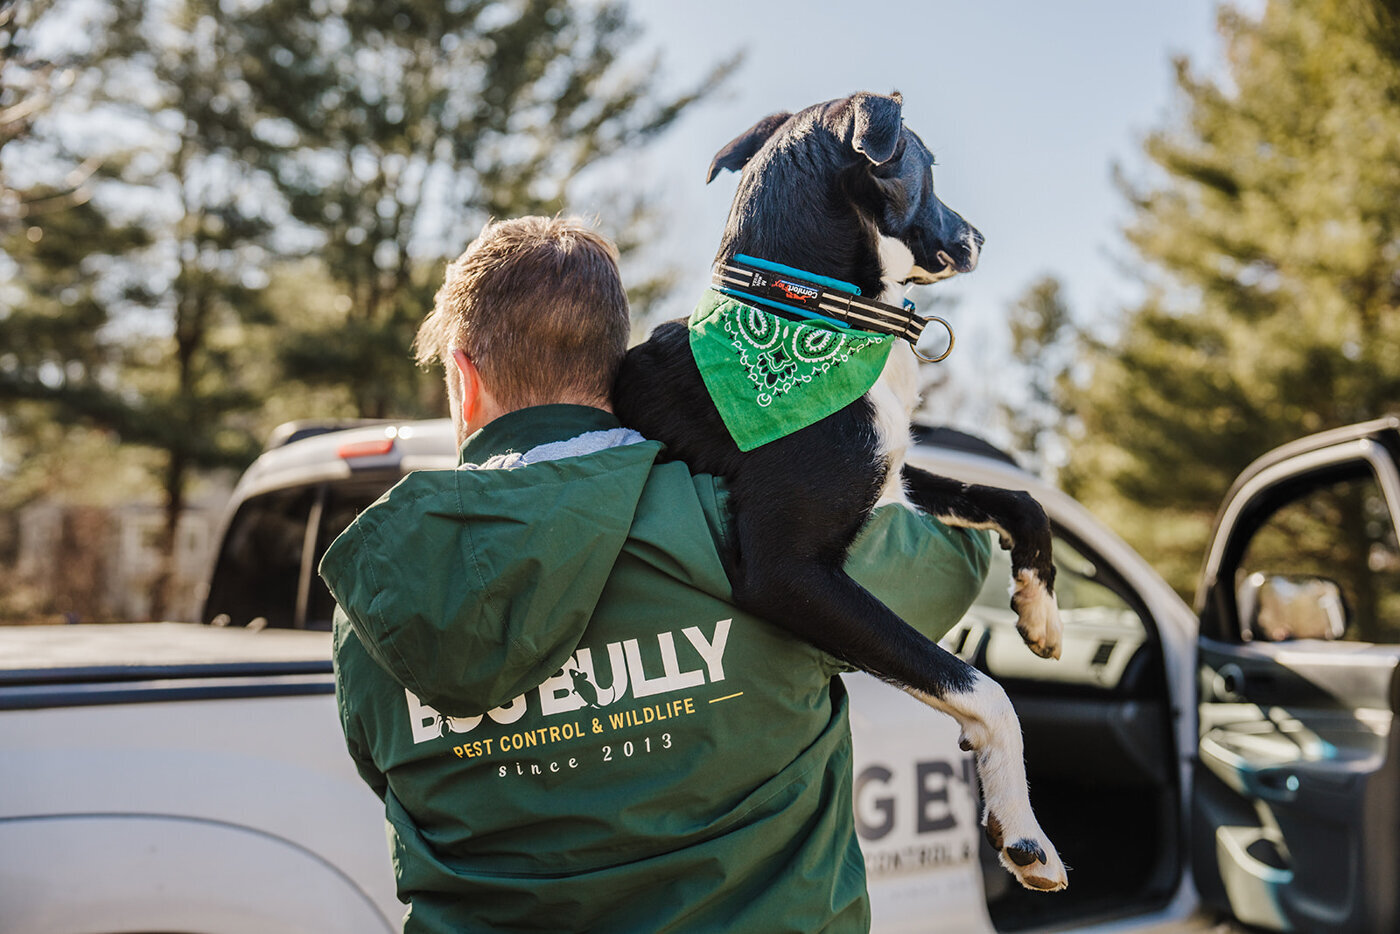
(176, 777)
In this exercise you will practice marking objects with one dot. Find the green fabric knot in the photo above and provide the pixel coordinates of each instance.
(769, 376)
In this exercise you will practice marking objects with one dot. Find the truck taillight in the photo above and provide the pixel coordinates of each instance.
(357, 449)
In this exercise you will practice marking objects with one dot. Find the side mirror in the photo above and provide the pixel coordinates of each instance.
(1276, 607)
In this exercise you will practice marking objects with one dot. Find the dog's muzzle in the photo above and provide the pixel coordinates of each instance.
(921, 276)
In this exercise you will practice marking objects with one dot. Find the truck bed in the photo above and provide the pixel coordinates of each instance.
(58, 666)
(191, 778)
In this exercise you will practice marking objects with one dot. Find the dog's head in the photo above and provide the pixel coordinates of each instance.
(839, 176)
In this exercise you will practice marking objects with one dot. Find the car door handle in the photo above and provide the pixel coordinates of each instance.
(1228, 683)
(1276, 784)
(1271, 782)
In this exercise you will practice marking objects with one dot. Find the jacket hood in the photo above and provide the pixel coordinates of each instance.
(473, 586)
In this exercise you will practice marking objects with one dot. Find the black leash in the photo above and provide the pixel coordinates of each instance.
(789, 291)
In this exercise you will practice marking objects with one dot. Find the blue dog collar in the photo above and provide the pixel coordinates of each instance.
(814, 297)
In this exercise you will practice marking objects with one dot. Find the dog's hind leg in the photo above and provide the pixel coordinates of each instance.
(991, 732)
(791, 533)
(1022, 527)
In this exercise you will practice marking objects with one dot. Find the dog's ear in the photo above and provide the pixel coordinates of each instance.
(877, 122)
(738, 151)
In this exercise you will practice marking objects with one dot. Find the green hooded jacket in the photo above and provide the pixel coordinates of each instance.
(539, 671)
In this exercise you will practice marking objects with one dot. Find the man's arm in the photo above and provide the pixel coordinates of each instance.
(926, 572)
(350, 660)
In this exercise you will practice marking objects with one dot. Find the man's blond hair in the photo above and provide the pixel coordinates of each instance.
(537, 304)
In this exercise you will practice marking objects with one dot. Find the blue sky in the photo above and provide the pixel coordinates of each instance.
(1027, 105)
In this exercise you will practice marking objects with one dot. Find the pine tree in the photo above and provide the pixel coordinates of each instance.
(48, 313)
(1044, 340)
(1273, 243)
(395, 129)
(353, 143)
(134, 295)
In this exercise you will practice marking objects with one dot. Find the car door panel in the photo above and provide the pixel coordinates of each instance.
(1294, 817)
(1295, 798)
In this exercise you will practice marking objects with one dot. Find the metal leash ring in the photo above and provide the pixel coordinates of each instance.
(951, 340)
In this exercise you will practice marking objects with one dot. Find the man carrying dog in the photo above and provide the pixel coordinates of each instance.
(538, 667)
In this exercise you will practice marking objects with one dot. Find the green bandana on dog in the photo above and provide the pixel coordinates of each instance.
(769, 376)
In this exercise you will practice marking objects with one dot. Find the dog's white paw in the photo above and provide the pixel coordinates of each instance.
(1037, 617)
(1027, 854)
(991, 732)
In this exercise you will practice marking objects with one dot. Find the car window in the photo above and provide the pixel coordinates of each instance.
(256, 574)
(1324, 564)
(1078, 583)
(343, 503)
(260, 570)
(1103, 631)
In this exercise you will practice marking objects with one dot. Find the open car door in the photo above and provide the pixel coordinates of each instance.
(1295, 822)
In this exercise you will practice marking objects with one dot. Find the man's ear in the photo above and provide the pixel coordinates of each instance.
(738, 151)
(468, 380)
(877, 121)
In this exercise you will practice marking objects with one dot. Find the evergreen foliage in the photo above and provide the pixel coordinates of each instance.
(213, 211)
(394, 130)
(1044, 341)
(134, 295)
(1272, 234)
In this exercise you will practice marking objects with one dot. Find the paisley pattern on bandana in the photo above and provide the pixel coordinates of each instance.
(779, 354)
(770, 376)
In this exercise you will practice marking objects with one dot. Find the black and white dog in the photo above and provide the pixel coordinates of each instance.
(844, 190)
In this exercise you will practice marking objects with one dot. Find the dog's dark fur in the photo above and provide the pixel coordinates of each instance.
(818, 191)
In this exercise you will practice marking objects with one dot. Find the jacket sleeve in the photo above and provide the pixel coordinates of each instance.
(374, 778)
(346, 643)
(923, 570)
(926, 572)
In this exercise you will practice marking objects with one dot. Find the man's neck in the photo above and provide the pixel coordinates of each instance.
(490, 411)
(522, 429)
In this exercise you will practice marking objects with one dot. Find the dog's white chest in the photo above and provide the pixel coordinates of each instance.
(894, 396)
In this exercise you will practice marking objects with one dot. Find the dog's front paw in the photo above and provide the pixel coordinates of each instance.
(1037, 617)
(1028, 855)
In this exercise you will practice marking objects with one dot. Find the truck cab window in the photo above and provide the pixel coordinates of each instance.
(344, 501)
(267, 558)
(257, 570)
